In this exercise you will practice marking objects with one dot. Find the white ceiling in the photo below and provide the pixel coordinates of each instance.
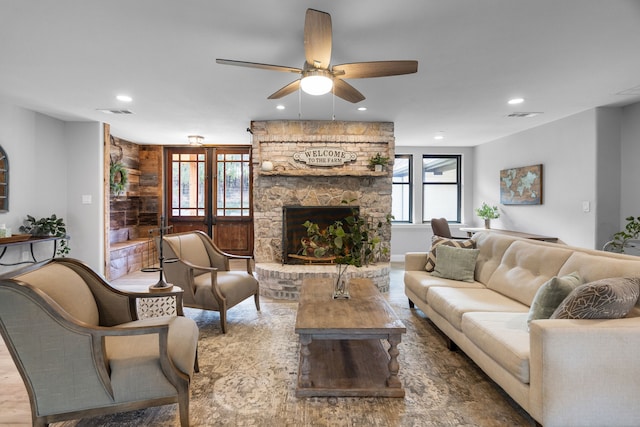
(68, 58)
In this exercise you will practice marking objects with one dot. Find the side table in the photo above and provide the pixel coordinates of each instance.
(154, 304)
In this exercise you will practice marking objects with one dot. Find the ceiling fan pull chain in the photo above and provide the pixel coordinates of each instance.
(333, 106)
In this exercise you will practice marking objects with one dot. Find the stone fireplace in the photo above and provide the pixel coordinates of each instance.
(284, 174)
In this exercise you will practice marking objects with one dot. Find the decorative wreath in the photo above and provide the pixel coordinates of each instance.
(117, 178)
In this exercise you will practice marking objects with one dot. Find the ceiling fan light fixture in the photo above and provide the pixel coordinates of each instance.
(316, 82)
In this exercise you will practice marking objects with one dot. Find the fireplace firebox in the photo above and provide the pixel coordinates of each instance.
(293, 231)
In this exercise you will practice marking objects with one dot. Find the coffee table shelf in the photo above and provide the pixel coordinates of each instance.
(341, 352)
(345, 368)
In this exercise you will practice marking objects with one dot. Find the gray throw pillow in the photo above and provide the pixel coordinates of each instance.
(551, 294)
(455, 263)
(437, 241)
(610, 298)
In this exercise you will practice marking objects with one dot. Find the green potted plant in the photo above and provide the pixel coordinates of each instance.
(487, 213)
(378, 161)
(45, 227)
(631, 231)
(355, 240)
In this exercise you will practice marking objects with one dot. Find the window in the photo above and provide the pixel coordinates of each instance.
(441, 187)
(232, 198)
(401, 200)
(187, 187)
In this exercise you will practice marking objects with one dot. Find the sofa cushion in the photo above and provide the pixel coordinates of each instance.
(610, 298)
(453, 303)
(525, 266)
(492, 247)
(419, 282)
(438, 241)
(502, 336)
(455, 263)
(551, 294)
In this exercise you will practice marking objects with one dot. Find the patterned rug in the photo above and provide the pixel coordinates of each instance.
(248, 378)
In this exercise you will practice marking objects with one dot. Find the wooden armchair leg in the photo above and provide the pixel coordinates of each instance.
(183, 406)
(223, 320)
(256, 298)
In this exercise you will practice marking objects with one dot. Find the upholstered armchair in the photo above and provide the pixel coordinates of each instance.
(81, 350)
(202, 270)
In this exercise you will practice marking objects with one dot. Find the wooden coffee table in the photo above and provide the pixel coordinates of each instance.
(340, 349)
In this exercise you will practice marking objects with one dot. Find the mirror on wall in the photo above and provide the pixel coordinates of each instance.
(4, 181)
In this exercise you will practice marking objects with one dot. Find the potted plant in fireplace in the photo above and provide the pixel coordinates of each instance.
(355, 241)
(378, 161)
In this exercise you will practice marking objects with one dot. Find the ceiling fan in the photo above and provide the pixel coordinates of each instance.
(317, 76)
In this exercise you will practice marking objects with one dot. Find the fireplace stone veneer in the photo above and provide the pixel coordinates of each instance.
(288, 182)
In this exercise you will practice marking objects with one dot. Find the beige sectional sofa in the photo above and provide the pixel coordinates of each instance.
(563, 372)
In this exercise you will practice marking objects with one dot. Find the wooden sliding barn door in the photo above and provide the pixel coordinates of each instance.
(210, 189)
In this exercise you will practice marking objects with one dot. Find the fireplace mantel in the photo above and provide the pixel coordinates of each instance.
(324, 172)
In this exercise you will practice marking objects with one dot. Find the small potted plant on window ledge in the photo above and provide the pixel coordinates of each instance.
(487, 213)
(378, 161)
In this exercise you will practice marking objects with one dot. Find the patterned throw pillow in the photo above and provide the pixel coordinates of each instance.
(610, 298)
(551, 294)
(437, 241)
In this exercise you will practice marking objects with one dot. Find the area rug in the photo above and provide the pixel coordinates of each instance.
(248, 377)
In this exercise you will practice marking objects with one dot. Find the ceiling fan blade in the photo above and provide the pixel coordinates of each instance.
(347, 92)
(288, 89)
(363, 70)
(258, 65)
(317, 38)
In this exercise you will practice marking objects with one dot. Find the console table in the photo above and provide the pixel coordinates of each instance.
(18, 240)
(472, 230)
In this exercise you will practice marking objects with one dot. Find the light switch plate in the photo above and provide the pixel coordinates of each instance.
(586, 206)
(86, 199)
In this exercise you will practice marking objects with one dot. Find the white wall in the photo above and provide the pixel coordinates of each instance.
(608, 173)
(416, 237)
(630, 164)
(52, 163)
(84, 150)
(581, 158)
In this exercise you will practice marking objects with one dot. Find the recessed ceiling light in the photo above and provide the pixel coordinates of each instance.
(124, 98)
(515, 101)
(438, 136)
(362, 108)
(280, 107)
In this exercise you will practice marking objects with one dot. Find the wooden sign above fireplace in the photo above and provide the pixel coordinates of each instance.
(325, 156)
